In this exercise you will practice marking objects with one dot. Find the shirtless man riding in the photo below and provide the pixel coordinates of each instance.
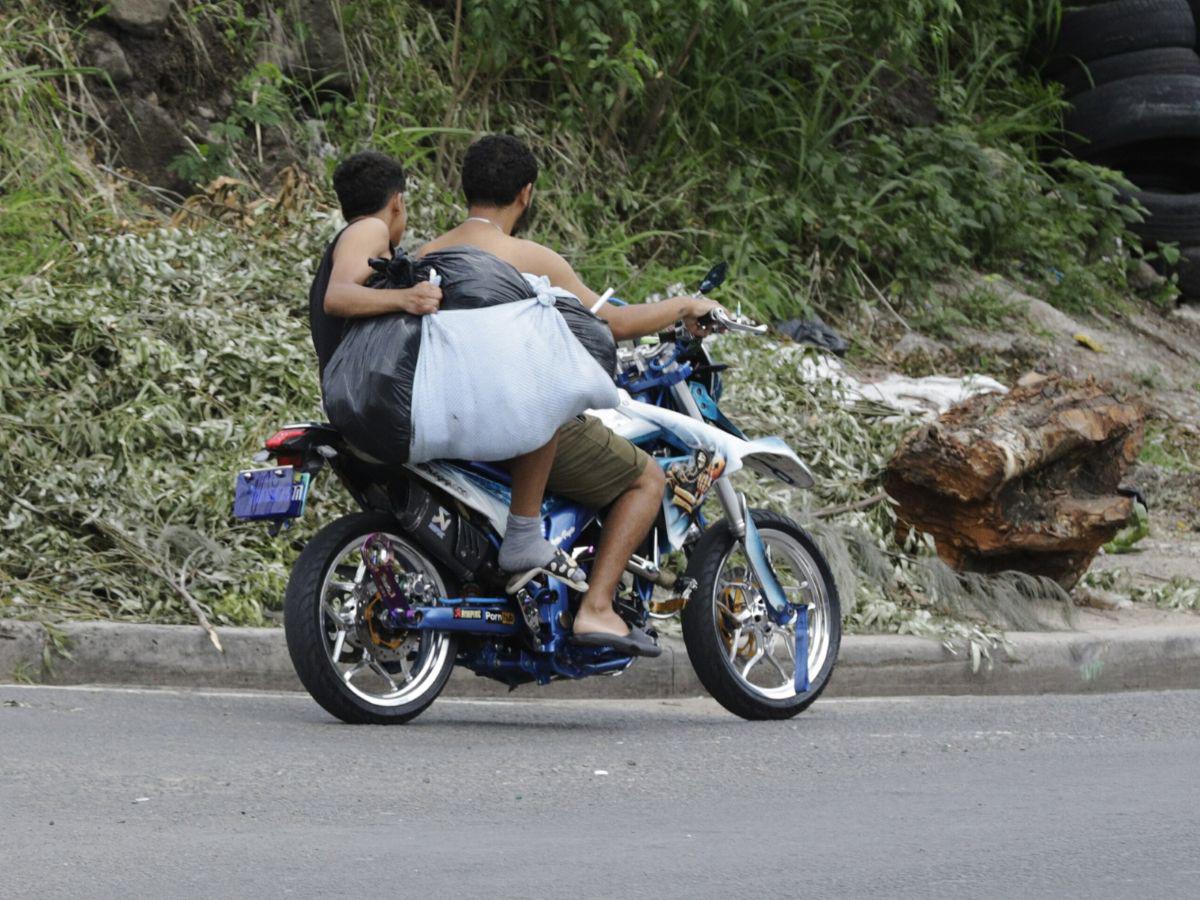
(592, 465)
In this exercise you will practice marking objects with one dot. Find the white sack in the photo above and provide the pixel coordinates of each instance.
(493, 383)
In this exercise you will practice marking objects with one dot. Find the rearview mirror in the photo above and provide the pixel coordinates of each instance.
(714, 277)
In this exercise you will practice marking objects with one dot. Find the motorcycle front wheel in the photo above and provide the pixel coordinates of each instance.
(742, 658)
(353, 669)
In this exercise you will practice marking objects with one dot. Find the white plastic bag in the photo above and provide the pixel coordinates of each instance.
(493, 383)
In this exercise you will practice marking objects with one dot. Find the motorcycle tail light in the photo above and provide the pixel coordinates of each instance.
(276, 441)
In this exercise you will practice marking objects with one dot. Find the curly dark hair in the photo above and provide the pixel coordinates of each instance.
(495, 169)
(366, 181)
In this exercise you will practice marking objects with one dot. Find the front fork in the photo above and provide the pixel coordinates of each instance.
(741, 523)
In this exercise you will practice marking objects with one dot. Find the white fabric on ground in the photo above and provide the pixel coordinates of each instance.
(928, 397)
(931, 395)
(493, 383)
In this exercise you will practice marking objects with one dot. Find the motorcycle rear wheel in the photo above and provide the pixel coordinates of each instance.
(352, 677)
(744, 660)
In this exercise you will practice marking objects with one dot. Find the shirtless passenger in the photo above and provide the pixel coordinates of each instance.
(370, 189)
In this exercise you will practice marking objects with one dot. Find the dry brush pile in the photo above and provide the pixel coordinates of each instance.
(138, 373)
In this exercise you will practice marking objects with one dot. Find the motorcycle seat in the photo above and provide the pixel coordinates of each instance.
(326, 431)
(487, 470)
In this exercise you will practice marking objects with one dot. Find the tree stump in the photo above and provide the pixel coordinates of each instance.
(1025, 481)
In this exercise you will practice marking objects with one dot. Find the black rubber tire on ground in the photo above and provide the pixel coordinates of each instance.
(1188, 271)
(1147, 177)
(305, 642)
(1123, 26)
(1077, 76)
(1171, 166)
(1172, 218)
(705, 647)
(1144, 108)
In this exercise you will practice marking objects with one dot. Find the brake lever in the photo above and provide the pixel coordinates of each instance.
(737, 322)
(719, 321)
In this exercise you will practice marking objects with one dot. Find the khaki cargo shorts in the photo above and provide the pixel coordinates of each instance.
(594, 466)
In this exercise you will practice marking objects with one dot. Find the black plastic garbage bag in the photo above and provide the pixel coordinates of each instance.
(815, 332)
(368, 384)
(472, 278)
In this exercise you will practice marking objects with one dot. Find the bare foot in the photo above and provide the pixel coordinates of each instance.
(604, 622)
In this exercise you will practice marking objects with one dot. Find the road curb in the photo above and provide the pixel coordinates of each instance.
(21, 648)
(1136, 658)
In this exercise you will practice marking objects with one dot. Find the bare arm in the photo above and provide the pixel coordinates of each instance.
(347, 295)
(639, 319)
(627, 322)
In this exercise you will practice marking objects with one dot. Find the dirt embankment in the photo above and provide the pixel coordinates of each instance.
(169, 80)
(1146, 354)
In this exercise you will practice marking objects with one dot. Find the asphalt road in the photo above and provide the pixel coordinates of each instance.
(109, 793)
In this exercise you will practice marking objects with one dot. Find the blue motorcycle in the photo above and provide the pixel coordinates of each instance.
(382, 604)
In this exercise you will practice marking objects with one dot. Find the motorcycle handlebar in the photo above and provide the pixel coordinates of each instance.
(720, 320)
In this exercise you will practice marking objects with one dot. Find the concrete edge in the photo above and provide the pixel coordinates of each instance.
(21, 647)
(1142, 658)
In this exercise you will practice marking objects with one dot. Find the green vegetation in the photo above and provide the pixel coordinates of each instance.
(48, 185)
(1166, 447)
(843, 156)
(261, 102)
(1179, 593)
(831, 151)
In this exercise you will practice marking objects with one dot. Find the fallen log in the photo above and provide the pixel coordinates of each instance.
(1025, 481)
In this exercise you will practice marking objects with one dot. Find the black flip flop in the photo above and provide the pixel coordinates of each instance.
(646, 645)
(636, 643)
(561, 567)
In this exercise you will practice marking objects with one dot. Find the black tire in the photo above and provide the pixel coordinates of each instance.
(1133, 110)
(306, 640)
(1189, 272)
(1077, 76)
(1172, 217)
(1124, 26)
(1170, 166)
(1167, 177)
(705, 645)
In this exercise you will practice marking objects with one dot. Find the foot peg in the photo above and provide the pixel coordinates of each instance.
(673, 605)
(529, 610)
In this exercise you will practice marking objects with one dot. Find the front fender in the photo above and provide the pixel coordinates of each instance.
(772, 457)
(768, 456)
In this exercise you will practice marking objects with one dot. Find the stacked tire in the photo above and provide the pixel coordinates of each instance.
(1131, 71)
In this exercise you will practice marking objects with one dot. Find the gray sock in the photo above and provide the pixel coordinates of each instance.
(524, 547)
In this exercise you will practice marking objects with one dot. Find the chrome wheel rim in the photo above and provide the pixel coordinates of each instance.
(382, 675)
(759, 652)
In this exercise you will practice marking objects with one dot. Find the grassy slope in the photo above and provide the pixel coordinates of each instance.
(837, 153)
